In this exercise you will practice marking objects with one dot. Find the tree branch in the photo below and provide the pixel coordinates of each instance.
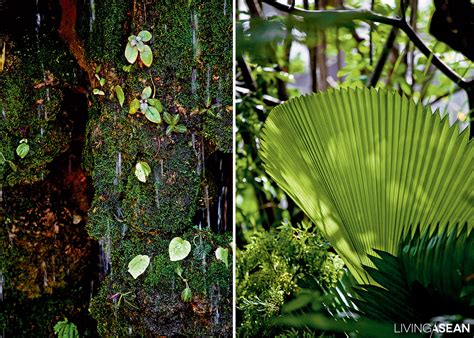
(366, 15)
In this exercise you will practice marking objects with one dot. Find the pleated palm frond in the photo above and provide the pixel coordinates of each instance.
(365, 165)
(430, 277)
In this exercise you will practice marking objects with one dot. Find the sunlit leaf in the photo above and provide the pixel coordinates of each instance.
(138, 265)
(146, 93)
(142, 170)
(97, 91)
(120, 95)
(22, 149)
(131, 53)
(146, 56)
(156, 103)
(186, 295)
(134, 106)
(153, 114)
(145, 36)
(179, 249)
(222, 254)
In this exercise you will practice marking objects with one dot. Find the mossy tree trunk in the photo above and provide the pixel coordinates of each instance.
(191, 71)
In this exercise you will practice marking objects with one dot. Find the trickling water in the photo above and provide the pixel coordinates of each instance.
(118, 168)
(219, 90)
(208, 83)
(2, 282)
(194, 81)
(4, 114)
(194, 29)
(161, 165)
(225, 7)
(105, 255)
(208, 211)
(92, 15)
(215, 300)
(157, 187)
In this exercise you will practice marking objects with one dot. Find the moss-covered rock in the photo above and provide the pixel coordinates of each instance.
(191, 69)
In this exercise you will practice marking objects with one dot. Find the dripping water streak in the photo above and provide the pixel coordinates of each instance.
(92, 15)
(118, 168)
(208, 83)
(2, 282)
(208, 211)
(157, 187)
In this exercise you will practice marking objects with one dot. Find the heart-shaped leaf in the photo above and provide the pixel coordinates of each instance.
(22, 149)
(153, 114)
(131, 53)
(146, 93)
(179, 249)
(138, 265)
(142, 170)
(222, 254)
(134, 106)
(120, 95)
(145, 36)
(146, 56)
(156, 103)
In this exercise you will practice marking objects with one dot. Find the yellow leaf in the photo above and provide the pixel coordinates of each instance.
(2, 59)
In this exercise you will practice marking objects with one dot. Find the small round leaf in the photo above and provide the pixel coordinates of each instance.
(138, 265)
(131, 53)
(146, 56)
(22, 149)
(134, 106)
(146, 93)
(179, 249)
(222, 254)
(156, 103)
(142, 170)
(145, 36)
(153, 115)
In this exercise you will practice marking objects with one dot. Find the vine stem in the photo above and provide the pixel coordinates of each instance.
(344, 15)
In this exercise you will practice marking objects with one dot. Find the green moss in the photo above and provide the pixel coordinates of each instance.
(218, 129)
(142, 218)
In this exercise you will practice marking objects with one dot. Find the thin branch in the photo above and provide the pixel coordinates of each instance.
(366, 15)
(383, 57)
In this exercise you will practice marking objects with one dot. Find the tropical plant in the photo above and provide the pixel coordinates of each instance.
(274, 267)
(367, 164)
(138, 265)
(23, 148)
(66, 329)
(173, 125)
(147, 105)
(388, 183)
(136, 46)
(142, 171)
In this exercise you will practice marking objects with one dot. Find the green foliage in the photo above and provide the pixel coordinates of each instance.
(23, 148)
(142, 171)
(120, 95)
(138, 265)
(222, 255)
(380, 198)
(173, 125)
(65, 329)
(274, 267)
(148, 106)
(136, 46)
(179, 249)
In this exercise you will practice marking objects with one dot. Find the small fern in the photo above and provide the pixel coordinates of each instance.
(65, 329)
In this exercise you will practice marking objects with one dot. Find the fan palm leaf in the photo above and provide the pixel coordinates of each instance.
(365, 165)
